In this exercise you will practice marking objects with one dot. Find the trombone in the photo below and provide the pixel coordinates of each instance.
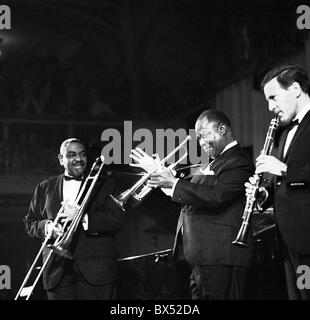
(122, 198)
(62, 242)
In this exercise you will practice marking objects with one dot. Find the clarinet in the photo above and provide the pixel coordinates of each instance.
(242, 237)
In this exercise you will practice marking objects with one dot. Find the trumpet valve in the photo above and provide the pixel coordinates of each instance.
(144, 191)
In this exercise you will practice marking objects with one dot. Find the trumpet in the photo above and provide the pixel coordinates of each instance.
(62, 242)
(139, 190)
(242, 236)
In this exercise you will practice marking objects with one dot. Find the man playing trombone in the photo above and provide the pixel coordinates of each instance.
(92, 273)
(212, 206)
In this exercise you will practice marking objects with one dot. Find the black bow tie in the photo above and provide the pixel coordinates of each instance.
(69, 178)
(293, 124)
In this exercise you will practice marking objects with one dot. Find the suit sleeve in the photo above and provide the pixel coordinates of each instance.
(219, 191)
(104, 215)
(35, 220)
(297, 173)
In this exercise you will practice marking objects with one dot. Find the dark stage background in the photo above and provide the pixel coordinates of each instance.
(77, 67)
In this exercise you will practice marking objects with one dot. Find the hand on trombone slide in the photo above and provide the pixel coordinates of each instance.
(143, 160)
(69, 212)
(70, 209)
(54, 230)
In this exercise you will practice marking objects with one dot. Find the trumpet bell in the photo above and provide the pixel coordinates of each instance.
(240, 244)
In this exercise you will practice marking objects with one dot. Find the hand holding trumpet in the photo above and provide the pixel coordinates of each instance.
(161, 178)
(143, 160)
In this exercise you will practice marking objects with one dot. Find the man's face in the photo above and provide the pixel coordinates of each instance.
(210, 138)
(73, 159)
(282, 102)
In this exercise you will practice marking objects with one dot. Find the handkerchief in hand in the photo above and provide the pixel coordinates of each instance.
(208, 172)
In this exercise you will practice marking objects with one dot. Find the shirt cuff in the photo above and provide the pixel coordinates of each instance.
(85, 222)
(169, 191)
(46, 225)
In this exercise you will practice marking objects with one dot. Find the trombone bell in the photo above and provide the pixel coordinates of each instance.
(58, 249)
(119, 201)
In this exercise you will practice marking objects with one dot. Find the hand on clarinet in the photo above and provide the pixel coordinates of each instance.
(261, 194)
(270, 164)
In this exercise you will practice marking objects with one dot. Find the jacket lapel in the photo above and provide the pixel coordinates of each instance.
(304, 123)
(59, 187)
(221, 159)
(282, 144)
(216, 164)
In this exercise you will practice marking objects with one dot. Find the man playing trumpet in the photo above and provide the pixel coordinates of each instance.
(212, 206)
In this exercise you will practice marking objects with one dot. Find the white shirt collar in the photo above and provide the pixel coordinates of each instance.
(301, 114)
(207, 170)
(230, 145)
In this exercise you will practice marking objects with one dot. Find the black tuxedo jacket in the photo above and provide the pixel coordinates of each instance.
(212, 210)
(292, 192)
(94, 250)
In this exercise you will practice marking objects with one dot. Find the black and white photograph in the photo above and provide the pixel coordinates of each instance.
(155, 151)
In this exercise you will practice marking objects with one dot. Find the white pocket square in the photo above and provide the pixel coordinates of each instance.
(208, 172)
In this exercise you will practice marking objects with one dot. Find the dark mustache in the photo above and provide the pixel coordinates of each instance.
(80, 163)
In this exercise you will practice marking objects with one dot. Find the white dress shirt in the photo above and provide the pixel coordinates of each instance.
(70, 190)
